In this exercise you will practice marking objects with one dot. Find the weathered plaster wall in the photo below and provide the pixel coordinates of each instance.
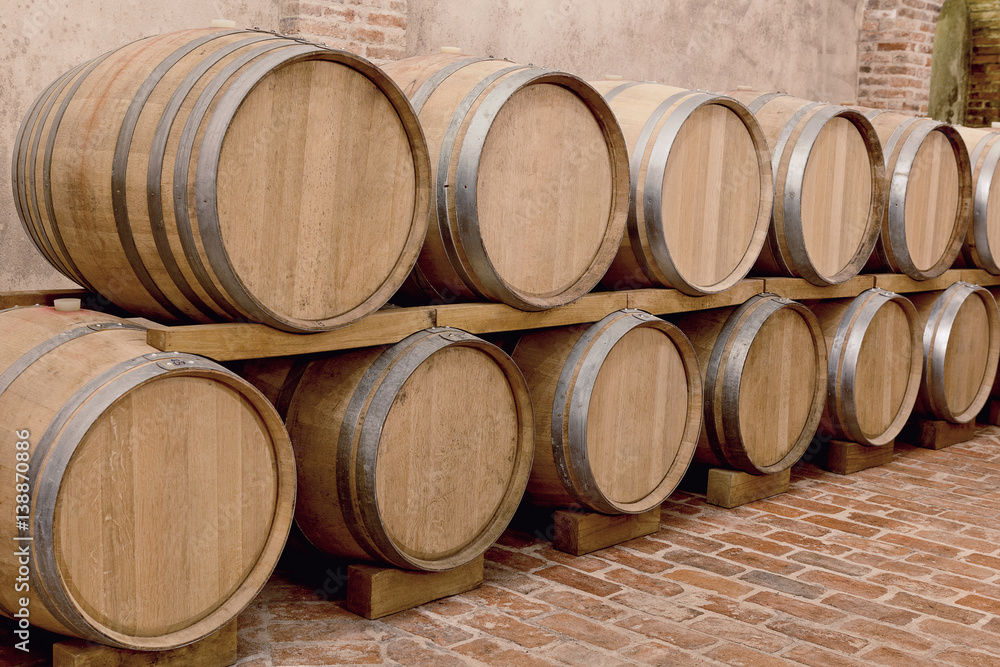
(41, 39)
(805, 47)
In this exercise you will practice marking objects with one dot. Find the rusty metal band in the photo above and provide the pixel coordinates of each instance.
(53, 453)
(456, 257)
(154, 172)
(185, 148)
(119, 169)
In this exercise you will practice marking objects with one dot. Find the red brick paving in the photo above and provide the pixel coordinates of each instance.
(896, 565)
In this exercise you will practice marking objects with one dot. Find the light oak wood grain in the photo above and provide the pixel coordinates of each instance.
(425, 468)
(550, 172)
(305, 229)
(177, 490)
(930, 196)
(983, 145)
(834, 201)
(714, 196)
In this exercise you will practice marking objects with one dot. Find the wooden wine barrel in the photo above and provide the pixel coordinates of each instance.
(530, 180)
(414, 455)
(764, 366)
(700, 184)
(195, 176)
(873, 374)
(929, 195)
(829, 188)
(981, 248)
(617, 412)
(961, 345)
(160, 485)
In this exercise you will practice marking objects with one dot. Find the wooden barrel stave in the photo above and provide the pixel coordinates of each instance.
(961, 346)
(873, 374)
(605, 441)
(380, 482)
(929, 195)
(700, 237)
(97, 434)
(981, 248)
(481, 116)
(177, 233)
(829, 185)
(764, 367)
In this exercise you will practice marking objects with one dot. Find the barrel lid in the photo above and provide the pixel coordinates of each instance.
(174, 506)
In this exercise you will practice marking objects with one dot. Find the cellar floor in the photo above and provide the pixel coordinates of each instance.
(897, 565)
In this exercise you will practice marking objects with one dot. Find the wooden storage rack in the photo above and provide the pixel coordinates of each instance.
(231, 342)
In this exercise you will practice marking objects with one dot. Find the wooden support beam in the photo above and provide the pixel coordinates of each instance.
(580, 533)
(934, 434)
(845, 458)
(732, 488)
(374, 592)
(216, 650)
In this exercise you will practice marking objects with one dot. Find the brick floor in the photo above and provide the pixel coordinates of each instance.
(896, 565)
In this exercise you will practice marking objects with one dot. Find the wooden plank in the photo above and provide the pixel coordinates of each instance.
(935, 434)
(580, 533)
(845, 458)
(216, 650)
(732, 488)
(902, 284)
(488, 317)
(800, 289)
(38, 297)
(229, 342)
(980, 277)
(664, 301)
(374, 592)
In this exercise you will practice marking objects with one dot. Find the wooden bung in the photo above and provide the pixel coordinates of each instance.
(873, 373)
(160, 485)
(530, 182)
(617, 412)
(764, 366)
(929, 195)
(701, 188)
(194, 176)
(960, 330)
(415, 455)
(981, 248)
(829, 188)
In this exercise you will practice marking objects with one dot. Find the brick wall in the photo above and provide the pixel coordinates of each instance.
(984, 77)
(894, 54)
(375, 29)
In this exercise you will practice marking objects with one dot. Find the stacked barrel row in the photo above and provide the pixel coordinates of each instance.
(194, 176)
